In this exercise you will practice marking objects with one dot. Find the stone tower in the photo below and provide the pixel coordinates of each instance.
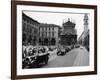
(86, 22)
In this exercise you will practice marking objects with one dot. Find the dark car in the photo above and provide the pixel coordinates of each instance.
(77, 46)
(36, 58)
(61, 51)
(42, 58)
(29, 62)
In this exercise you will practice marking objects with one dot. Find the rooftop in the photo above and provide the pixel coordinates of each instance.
(25, 16)
(69, 23)
(48, 25)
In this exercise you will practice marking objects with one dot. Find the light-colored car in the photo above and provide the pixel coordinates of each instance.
(81, 47)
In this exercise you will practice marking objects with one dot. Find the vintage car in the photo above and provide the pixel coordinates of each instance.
(36, 58)
(43, 57)
(30, 62)
(77, 46)
(29, 59)
(61, 51)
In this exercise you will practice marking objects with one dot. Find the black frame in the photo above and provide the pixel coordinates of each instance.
(14, 39)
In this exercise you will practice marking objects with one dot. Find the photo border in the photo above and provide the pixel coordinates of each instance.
(14, 39)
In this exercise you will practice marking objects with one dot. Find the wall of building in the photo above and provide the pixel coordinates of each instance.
(49, 32)
(69, 34)
(29, 30)
(38, 33)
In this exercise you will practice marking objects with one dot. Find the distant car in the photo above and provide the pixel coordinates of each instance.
(51, 49)
(72, 46)
(77, 46)
(81, 47)
(61, 51)
(67, 48)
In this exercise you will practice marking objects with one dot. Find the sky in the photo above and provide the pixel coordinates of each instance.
(58, 18)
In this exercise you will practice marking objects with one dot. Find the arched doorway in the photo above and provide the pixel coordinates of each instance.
(46, 41)
(40, 41)
(24, 39)
(53, 41)
(29, 39)
(34, 40)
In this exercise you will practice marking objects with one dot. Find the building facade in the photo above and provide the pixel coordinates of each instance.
(48, 34)
(69, 27)
(69, 33)
(29, 30)
(36, 33)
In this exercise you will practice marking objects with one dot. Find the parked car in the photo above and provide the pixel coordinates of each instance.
(51, 49)
(29, 62)
(61, 51)
(67, 48)
(42, 59)
(77, 46)
(36, 58)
